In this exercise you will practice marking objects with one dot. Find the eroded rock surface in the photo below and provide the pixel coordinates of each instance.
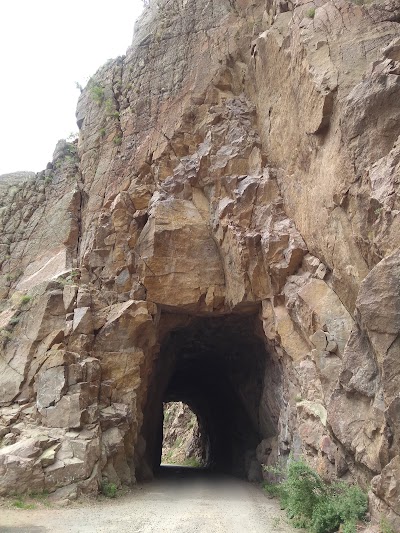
(240, 163)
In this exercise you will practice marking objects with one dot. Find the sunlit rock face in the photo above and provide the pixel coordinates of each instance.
(184, 442)
(236, 172)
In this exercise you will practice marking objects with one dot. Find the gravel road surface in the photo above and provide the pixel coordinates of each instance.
(180, 501)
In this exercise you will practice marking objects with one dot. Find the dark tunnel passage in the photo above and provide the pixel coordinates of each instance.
(219, 367)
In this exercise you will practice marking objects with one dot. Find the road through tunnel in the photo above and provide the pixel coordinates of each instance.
(219, 367)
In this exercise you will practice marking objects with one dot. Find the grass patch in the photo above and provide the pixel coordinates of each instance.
(70, 279)
(385, 526)
(313, 504)
(108, 489)
(39, 495)
(111, 111)
(20, 504)
(24, 501)
(191, 461)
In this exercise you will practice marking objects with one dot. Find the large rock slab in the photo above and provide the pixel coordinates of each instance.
(175, 240)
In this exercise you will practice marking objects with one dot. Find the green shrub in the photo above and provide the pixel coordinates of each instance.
(97, 94)
(191, 461)
(274, 489)
(108, 489)
(316, 505)
(5, 335)
(26, 299)
(70, 278)
(117, 140)
(109, 106)
(311, 13)
(39, 495)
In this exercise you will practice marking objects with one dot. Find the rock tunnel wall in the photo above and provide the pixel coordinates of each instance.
(240, 161)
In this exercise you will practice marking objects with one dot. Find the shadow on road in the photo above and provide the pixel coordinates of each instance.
(172, 472)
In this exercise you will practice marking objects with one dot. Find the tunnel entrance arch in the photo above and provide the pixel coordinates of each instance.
(221, 368)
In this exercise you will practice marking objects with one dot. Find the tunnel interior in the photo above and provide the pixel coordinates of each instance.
(220, 368)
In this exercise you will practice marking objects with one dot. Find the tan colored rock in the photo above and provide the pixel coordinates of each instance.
(83, 298)
(331, 346)
(360, 427)
(329, 368)
(330, 312)
(50, 386)
(67, 413)
(22, 474)
(48, 457)
(128, 324)
(64, 472)
(69, 296)
(379, 509)
(379, 313)
(319, 340)
(82, 322)
(292, 342)
(310, 385)
(359, 371)
(115, 415)
(45, 315)
(168, 250)
(387, 485)
(19, 466)
(49, 267)
(316, 410)
(393, 420)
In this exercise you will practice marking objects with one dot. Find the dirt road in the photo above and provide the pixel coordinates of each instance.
(179, 502)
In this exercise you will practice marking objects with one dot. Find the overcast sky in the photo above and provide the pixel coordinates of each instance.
(46, 46)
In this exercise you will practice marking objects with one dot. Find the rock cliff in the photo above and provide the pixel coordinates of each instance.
(224, 233)
(183, 443)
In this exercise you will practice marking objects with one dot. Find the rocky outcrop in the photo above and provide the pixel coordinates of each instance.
(236, 173)
(182, 440)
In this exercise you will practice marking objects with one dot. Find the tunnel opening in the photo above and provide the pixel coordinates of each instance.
(220, 367)
(184, 442)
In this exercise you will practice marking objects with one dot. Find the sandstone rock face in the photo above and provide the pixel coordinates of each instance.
(227, 222)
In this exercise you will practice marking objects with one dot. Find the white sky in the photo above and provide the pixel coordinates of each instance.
(46, 46)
